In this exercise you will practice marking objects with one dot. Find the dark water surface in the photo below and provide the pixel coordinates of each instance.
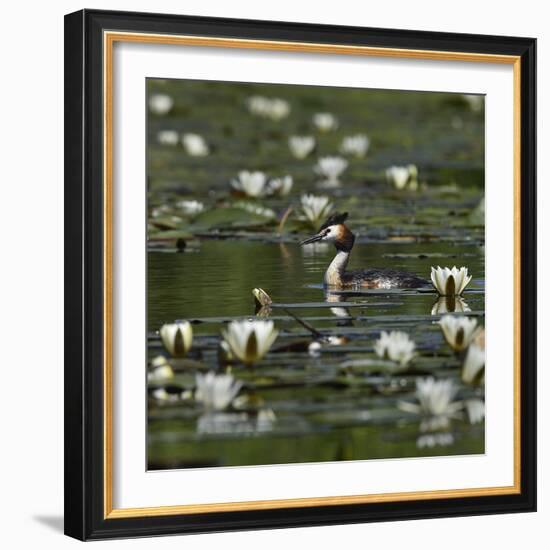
(322, 411)
(216, 278)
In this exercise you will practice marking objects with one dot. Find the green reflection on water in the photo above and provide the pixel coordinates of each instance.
(216, 279)
(320, 415)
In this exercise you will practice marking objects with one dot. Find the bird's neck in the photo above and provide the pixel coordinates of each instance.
(334, 275)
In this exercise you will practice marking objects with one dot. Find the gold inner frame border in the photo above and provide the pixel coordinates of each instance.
(109, 40)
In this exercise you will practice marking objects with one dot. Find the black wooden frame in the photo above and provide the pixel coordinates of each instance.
(84, 518)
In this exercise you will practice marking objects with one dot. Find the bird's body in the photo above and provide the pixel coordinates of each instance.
(336, 276)
(375, 278)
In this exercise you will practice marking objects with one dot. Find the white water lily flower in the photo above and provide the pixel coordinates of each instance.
(252, 184)
(314, 349)
(258, 105)
(278, 109)
(449, 282)
(216, 391)
(331, 167)
(250, 340)
(273, 108)
(340, 312)
(435, 399)
(413, 171)
(403, 176)
(316, 208)
(357, 145)
(398, 176)
(481, 206)
(475, 101)
(475, 409)
(458, 331)
(160, 370)
(325, 121)
(265, 420)
(281, 186)
(413, 177)
(450, 304)
(160, 374)
(159, 361)
(177, 338)
(161, 210)
(474, 363)
(191, 208)
(395, 346)
(163, 396)
(477, 215)
(195, 145)
(160, 104)
(168, 137)
(224, 353)
(301, 146)
(255, 209)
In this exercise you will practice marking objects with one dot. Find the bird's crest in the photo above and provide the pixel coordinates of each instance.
(334, 219)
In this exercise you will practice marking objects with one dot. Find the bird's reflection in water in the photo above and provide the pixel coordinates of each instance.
(345, 318)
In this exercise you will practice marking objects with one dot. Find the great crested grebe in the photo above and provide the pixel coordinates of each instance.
(334, 230)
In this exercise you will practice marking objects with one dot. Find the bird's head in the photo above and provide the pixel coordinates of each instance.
(335, 231)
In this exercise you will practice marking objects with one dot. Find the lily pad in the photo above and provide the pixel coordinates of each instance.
(219, 218)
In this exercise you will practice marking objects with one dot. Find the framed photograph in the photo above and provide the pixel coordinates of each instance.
(300, 274)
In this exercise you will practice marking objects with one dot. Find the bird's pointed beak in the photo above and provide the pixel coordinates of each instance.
(313, 239)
